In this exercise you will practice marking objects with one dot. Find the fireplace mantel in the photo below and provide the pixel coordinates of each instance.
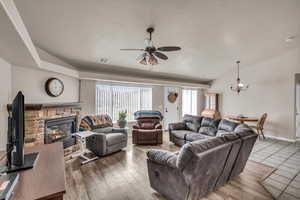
(36, 107)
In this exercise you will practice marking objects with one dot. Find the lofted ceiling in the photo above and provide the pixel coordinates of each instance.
(14, 48)
(213, 34)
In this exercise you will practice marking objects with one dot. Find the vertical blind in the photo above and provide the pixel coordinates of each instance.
(189, 102)
(112, 99)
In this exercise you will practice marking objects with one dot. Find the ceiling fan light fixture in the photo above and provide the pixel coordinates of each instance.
(151, 51)
(143, 61)
(152, 60)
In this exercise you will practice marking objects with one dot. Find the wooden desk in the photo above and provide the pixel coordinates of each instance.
(47, 179)
(242, 119)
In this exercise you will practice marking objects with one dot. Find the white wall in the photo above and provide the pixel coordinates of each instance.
(272, 90)
(200, 101)
(5, 98)
(158, 98)
(32, 83)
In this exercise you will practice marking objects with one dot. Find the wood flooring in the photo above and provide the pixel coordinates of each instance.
(124, 176)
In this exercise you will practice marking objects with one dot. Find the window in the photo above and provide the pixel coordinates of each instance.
(189, 102)
(112, 99)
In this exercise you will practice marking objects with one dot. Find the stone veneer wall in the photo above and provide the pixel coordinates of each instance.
(35, 124)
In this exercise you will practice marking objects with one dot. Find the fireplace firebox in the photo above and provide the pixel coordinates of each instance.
(61, 129)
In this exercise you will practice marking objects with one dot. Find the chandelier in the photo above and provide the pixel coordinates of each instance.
(239, 85)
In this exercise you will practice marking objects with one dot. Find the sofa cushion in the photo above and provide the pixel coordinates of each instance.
(177, 126)
(147, 125)
(241, 127)
(226, 125)
(103, 130)
(209, 126)
(188, 150)
(196, 136)
(193, 123)
(222, 132)
(192, 118)
(181, 133)
(211, 122)
(115, 138)
(192, 126)
(211, 131)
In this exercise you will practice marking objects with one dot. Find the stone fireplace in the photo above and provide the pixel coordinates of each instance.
(40, 125)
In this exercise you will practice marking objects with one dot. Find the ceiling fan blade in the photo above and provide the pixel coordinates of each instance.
(161, 55)
(168, 48)
(132, 49)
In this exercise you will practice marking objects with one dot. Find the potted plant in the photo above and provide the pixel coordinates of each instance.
(122, 119)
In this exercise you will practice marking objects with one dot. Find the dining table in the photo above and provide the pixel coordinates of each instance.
(242, 119)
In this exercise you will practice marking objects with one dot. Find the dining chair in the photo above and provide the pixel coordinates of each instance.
(259, 127)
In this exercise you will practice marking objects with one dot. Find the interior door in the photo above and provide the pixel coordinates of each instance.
(171, 109)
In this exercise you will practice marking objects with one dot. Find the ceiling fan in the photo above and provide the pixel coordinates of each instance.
(150, 52)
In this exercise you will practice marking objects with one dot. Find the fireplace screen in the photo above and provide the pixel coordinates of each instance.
(61, 129)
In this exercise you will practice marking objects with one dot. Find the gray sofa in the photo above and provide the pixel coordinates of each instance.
(206, 161)
(194, 128)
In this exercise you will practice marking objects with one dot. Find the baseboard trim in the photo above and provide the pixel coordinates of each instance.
(280, 138)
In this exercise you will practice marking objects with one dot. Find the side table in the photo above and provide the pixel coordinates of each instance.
(81, 138)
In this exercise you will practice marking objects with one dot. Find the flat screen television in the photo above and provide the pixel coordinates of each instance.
(16, 160)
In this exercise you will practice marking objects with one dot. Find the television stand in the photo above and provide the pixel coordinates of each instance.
(29, 161)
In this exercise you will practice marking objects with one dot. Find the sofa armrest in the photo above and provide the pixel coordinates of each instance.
(96, 143)
(135, 126)
(163, 157)
(177, 126)
(158, 126)
(120, 130)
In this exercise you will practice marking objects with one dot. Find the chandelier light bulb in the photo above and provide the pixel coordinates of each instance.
(241, 85)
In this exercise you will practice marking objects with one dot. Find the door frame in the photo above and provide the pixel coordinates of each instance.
(178, 100)
(297, 82)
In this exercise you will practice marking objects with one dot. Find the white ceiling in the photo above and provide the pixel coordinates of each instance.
(21, 52)
(213, 34)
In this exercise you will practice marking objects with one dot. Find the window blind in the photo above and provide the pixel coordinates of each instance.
(189, 102)
(112, 99)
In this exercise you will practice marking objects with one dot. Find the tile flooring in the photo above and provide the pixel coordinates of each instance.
(284, 182)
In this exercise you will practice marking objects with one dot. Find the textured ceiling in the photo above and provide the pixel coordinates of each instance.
(213, 34)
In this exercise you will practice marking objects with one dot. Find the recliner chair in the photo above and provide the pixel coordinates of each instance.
(106, 139)
(148, 129)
